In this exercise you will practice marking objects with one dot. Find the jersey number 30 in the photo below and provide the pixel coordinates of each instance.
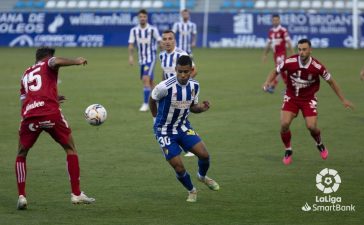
(163, 141)
(34, 79)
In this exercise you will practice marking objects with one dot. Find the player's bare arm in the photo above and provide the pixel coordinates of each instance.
(200, 107)
(193, 42)
(266, 51)
(153, 106)
(290, 47)
(57, 62)
(271, 77)
(335, 87)
(131, 54)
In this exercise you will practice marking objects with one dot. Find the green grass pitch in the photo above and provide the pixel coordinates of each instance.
(123, 168)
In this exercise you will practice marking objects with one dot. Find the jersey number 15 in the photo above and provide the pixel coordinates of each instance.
(34, 79)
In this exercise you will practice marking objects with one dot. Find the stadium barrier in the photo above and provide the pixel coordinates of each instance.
(232, 30)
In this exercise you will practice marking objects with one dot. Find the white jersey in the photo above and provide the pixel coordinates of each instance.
(174, 101)
(184, 32)
(169, 62)
(146, 39)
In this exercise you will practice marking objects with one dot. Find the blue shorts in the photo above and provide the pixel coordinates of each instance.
(171, 144)
(147, 69)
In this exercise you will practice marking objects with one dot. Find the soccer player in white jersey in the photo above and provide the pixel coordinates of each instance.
(170, 103)
(169, 59)
(186, 32)
(170, 55)
(146, 37)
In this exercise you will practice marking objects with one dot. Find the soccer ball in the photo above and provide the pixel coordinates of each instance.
(95, 114)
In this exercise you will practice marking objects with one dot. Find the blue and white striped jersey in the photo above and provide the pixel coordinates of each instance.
(146, 39)
(184, 32)
(174, 101)
(169, 62)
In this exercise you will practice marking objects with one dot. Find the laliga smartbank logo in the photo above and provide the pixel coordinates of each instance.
(328, 181)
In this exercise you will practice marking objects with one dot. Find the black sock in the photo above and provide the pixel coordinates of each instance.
(288, 153)
(321, 147)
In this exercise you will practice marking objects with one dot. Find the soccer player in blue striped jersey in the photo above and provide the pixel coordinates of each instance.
(186, 32)
(170, 55)
(170, 103)
(146, 37)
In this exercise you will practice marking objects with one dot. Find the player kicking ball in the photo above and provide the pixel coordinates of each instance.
(303, 81)
(41, 112)
(177, 97)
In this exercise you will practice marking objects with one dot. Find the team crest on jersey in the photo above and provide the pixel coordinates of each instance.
(191, 132)
(165, 150)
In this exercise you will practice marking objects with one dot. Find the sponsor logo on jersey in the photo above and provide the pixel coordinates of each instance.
(33, 105)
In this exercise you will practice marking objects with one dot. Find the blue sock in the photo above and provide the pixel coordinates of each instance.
(185, 179)
(146, 94)
(203, 166)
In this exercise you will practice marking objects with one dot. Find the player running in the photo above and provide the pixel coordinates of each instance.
(278, 40)
(303, 82)
(170, 103)
(146, 37)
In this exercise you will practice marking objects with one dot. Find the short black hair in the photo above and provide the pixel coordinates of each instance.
(185, 10)
(44, 52)
(275, 15)
(169, 31)
(305, 40)
(184, 60)
(143, 11)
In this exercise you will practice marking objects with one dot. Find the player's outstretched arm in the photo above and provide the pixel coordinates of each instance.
(200, 107)
(290, 47)
(57, 62)
(362, 74)
(335, 87)
(271, 77)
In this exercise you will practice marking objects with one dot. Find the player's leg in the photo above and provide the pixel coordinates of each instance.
(193, 143)
(171, 152)
(61, 133)
(28, 134)
(310, 113)
(288, 113)
(147, 80)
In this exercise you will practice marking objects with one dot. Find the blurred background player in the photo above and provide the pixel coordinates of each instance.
(362, 74)
(169, 59)
(146, 37)
(178, 96)
(41, 112)
(186, 31)
(278, 40)
(303, 82)
(170, 55)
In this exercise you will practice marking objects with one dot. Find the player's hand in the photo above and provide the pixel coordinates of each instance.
(362, 74)
(347, 104)
(265, 86)
(81, 61)
(61, 98)
(205, 105)
(131, 60)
